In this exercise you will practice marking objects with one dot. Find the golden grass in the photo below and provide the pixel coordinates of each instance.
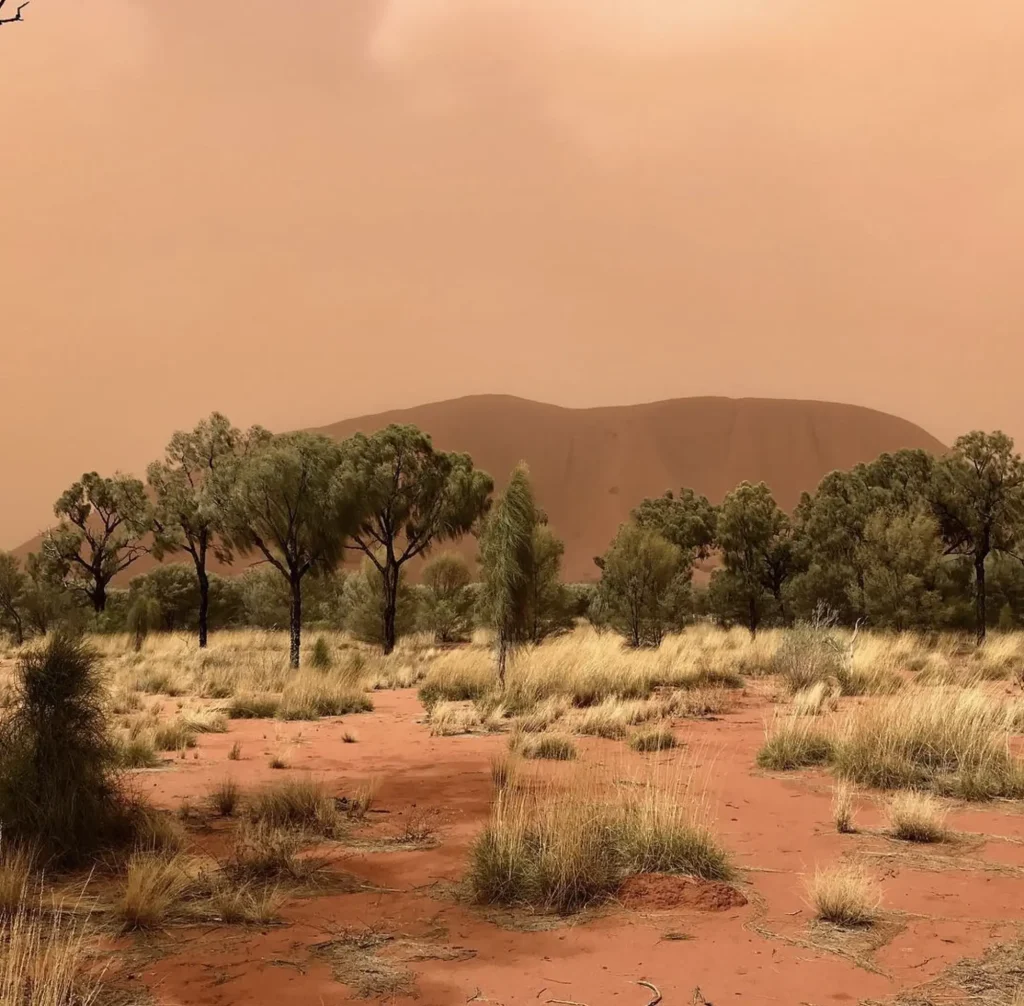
(45, 960)
(563, 847)
(549, 747)
(247, 903)
(816, 699)
(16, 864)
(793, 742)
(263, 852)
(154, 885)
(845, 895)
(448, 719)
(301, 804)
(954, 740)
(843, 808)
(649, 739)
(917, 817)
(312, 694)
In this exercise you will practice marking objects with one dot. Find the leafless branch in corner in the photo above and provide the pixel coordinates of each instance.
(17, 14)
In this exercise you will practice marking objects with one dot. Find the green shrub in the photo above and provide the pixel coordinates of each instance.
(58, 762)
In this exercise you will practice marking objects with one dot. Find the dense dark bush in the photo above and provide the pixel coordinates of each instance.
(58, 765)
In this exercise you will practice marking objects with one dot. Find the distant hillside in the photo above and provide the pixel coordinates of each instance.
(591, 466)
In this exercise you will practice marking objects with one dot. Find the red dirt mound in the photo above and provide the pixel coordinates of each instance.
(664, 891)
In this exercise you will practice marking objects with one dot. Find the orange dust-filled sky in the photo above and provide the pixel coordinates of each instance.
(299, 212)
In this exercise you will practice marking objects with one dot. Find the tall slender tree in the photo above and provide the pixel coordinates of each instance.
(414, 496)
(977, 495)
(291, 500)
(104, 522)
(188, 488)
(506, 554)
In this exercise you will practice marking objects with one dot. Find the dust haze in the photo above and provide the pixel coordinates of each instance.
(298, 213)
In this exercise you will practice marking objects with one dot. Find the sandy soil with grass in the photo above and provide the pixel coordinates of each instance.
(382, 908)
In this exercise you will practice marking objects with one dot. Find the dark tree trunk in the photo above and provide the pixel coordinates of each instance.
(502, 658)
(752, 616)
(204, 605)
(99, 597)
(296, 620)
(979, 597)
(19, 628)
(390, 579)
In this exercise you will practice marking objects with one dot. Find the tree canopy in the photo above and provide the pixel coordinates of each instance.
(412, 496)
(103, 524)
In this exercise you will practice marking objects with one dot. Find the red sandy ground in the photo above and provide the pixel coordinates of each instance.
(755, 947)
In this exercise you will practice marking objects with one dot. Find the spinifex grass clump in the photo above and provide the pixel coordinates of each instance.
(58, 763)
(952, 740)
(309, 695)
(794, 742)
(845, 896)
(321, 657)
(301, 804)
(562, 850)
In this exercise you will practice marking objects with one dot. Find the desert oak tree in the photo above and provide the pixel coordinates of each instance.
(103, 524)
(978, 498)
(291, 500)
(188, 487)
(412, 496)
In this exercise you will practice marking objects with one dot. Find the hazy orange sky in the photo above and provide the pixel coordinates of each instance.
(298, 212)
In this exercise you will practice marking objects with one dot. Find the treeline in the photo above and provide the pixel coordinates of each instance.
(907, 541)
(296, 503)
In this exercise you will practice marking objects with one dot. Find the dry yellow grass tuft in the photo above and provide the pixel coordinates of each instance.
(842, 807)
(815, 700)
(845, 895)
(564, 847)
(154, 886)
(45, 959)
(954, 740)
(448, 719)
(917, 817)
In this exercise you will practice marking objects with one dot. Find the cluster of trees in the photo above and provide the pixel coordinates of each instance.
(296, 502)
(906, 541)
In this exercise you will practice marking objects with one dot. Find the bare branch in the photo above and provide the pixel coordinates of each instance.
(17, 14)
